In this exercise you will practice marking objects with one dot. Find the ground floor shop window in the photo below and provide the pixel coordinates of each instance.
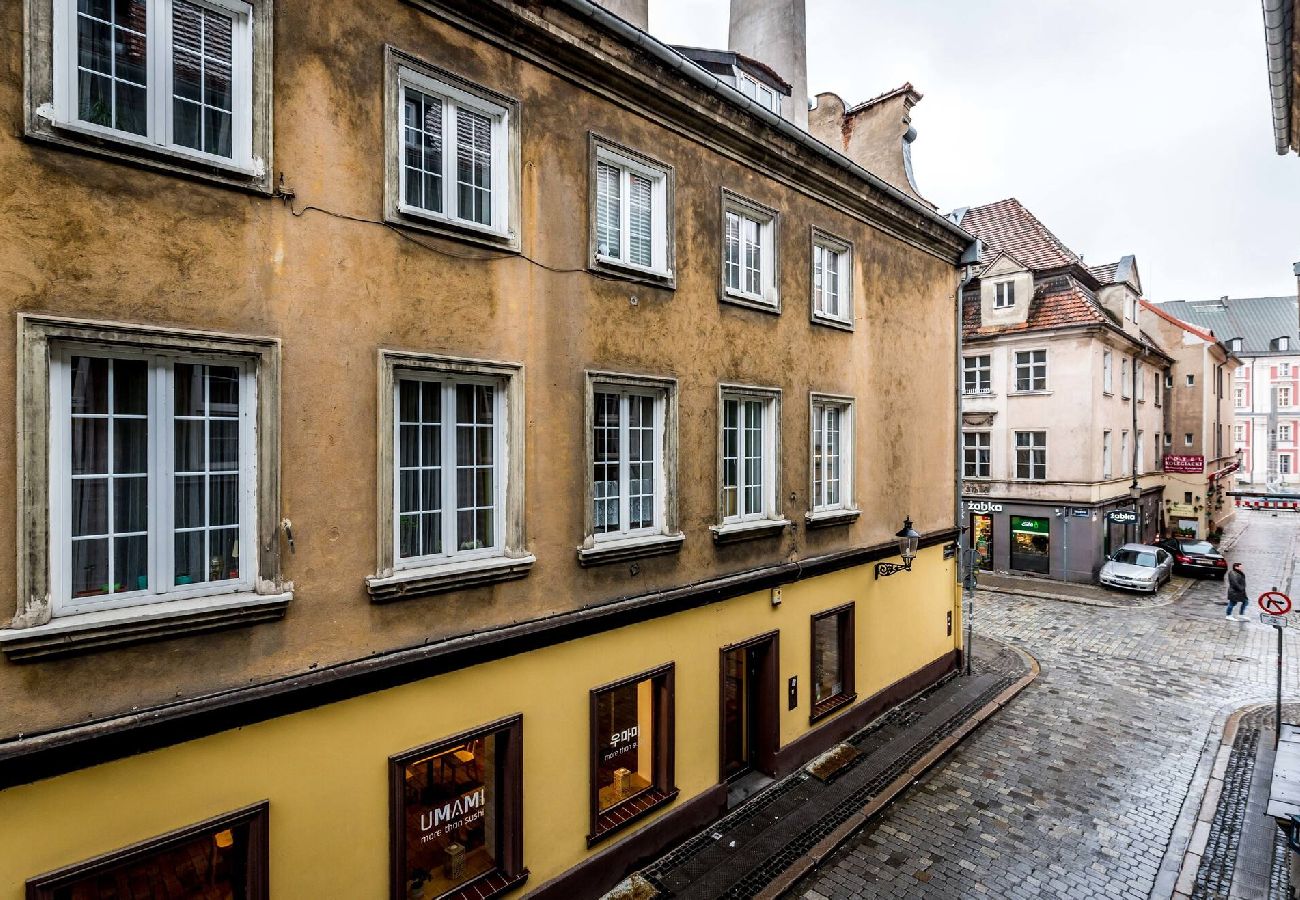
(1030, 544)
(981, 540)
(832, 660)
(457, 828)
(632, 749)
(223, 859)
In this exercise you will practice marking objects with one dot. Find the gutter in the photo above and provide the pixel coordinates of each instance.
(693, 72)
(1279, 29)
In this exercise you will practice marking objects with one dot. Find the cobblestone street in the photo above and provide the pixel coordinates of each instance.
(1076, 788)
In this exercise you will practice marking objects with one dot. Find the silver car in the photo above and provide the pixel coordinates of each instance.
(1138, 567)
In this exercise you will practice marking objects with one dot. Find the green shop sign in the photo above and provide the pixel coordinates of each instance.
(1033, 526)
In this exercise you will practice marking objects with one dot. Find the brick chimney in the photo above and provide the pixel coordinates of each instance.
(775, 32)
(635, 12)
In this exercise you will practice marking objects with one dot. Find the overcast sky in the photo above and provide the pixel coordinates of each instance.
(1127, 126)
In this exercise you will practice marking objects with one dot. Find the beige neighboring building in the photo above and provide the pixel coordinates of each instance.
(1062, 396)
(1199, 461)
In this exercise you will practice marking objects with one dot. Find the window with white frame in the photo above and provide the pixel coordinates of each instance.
(976, 454)
(1169, 439)
(759, 92)
(449, 472)
(1239, 397)
(977, 374)
(1140, 380)
(1123, 378)
(1107, 372)
(1139, 449)
(1004, 294)
(1284, 433)
(1239, 433)
(1031, 370)
(1191, 380)
(152, 476)
(748, 455)
(1284, 370)
(1234, 345)
(832, 453)
(1105, 455)
(175, 75)
(748, 252)
(1125, 461)
(1156, 381)
(1284, 463)
(1283, 397)
(628, 464)
(832, 278)
(1188, 439)
(1031, 455)
(631, 218)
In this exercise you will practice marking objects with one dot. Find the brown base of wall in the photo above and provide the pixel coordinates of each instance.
(601, 872)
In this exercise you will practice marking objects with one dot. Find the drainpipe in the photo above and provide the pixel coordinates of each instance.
(965, 559)
(1278, 30)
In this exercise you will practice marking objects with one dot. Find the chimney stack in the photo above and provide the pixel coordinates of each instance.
(775, 32)
(635, 12)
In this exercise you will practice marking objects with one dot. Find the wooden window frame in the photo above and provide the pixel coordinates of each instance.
(256, 817)
(663, 789)
(848, 661)
(982, 369)
(510, 866)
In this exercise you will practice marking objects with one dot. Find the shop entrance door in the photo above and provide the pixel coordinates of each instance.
(981, 540)
(749, 707)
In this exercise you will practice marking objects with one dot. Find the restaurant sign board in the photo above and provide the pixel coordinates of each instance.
(1186, 465)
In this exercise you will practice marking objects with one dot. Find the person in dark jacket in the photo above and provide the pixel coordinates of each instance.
(1237, 591)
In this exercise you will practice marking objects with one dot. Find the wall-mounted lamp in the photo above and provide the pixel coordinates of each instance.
(908, 540)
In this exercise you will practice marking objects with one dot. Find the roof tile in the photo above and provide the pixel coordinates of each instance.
(1007, 227)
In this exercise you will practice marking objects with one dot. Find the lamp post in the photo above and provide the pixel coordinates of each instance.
(908, 540)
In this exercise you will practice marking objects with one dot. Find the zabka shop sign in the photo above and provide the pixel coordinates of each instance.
(1186, 465)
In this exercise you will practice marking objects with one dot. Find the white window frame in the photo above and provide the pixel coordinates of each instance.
(1141, 385)
(751, 87)
(1189, 439)
(818, 403)
(823, 242)
(448, 381)
(1234, 344)
(630, 162)
(1284, 370)
(1125, 460)
(659, 398)
(1283, 396)
(1004, 294)
(1030, 449)
(1191, 380)
(983, 442)
(161, 484)
(1107, 372)
(767, 220)
(158, 135)
(770, 398)
(1284, 432)
(1139, 448)
(983, 373)
(1284, 464)
(1125, 391)
(1239, 397)
(1106, 464)
(1031, 364)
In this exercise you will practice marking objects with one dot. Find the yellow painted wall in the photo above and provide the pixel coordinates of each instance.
(325, 771)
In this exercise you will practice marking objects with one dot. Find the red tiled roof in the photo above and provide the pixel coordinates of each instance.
(1060, 307)
(1186, 326)
(1007, 227)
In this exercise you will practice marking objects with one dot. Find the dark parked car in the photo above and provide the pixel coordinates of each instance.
(1193, 557)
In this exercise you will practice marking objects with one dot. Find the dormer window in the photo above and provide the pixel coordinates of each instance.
(1281, 343)
(1235, 345)
(760, 93)
(1004, 295)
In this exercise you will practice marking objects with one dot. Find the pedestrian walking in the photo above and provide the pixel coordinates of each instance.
(1237, 591)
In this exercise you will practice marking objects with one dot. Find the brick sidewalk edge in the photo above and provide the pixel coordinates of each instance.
(1088, 601)
(829, 844)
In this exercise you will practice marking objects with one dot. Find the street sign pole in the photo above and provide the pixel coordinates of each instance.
(1277, 722)
(1276, 605)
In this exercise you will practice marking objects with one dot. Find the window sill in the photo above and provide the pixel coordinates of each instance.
(733, 532)
(105, 143)
(432, 223)
(831, 705)
(1029, 393)
(629, 272)
(628, 812)
(831, 322)
(751, 301)
(445, 577)
(66, 635)
(826, 518)
(978, 395)
(489, 884)
(615, 551)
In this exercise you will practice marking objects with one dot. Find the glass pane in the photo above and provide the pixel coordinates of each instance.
(409, 492)
(131, 563)
(827, 673)
(189, 511)
(89, 506)
(223, 391)
(217, 132)
(95, 99)
(431, 534)
(224, 549)
(130, 444)
(474, 165)
(223, 503)
(95, 47)
(89, 567)
(408, 445)
(189, 557)
(408, 536)
(450, 817)
(89, 385)
(624, 742)
(130, 387)
(608, 217)
(130, 504)
(89, 446)
(131, 112)
(640, 218)
(188, 388)
(223, 444)
(408, 401)
(431, 491)
(189, 446)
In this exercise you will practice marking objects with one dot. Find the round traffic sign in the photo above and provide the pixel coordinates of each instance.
(1275, 603)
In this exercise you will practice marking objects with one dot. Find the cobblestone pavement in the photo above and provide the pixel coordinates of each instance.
(1075, 789)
